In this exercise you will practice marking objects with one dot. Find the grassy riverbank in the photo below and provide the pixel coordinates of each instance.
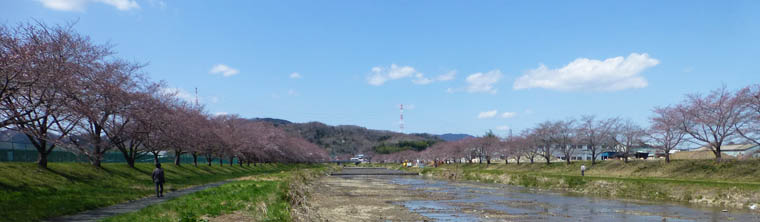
(265, 197)
(29, 193)
(704, 182)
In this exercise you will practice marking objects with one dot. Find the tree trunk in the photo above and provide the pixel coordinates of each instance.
(42, 150)
(240, 162)
(518, 160)
(593, 157)
(195, 159)
(177, 158)
(567, 159)
(548, 160)
(506, 161)
(96, 162)
(717, 155)
(625, 158)
(667, 157)
(231, 160)
(127, 157)
(131, 162)
(221, 161)
(42, 159)
(155, 158)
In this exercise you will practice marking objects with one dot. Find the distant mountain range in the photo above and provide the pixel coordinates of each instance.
(276, 122)
(345, 139)
(448, 137)
(12, 136)
(350, 139)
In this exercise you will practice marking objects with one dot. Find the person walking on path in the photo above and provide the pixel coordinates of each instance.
(158, 179)
(583, 170)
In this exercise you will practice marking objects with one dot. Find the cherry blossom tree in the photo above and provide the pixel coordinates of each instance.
(750, 127)
(104, 95)
(664, 130)
(627, 136)
(712, 119)
(39, 65)
(544, 135)
(594, 133)
(564, 137)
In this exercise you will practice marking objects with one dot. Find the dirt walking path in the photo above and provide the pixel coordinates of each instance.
(131, 206)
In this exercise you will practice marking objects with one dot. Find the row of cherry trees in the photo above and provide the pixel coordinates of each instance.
(65, 92)
(720, 117)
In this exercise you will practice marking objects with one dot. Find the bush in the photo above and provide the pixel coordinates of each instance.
(574, 182)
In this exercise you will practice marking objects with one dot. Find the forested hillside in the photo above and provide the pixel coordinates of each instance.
(345, 140)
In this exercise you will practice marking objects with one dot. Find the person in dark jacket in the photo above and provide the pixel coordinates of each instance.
(158, 179)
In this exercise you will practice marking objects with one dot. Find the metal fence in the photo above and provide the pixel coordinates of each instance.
(22, 152)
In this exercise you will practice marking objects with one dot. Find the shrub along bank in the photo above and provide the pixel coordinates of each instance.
(704, 182)
(30, 193)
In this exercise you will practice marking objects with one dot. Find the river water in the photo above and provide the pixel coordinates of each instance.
(469, 201)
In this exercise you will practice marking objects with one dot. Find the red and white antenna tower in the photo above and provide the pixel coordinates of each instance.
(196, 96)
(401, 121)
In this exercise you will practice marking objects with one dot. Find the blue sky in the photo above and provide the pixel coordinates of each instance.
(458, 66)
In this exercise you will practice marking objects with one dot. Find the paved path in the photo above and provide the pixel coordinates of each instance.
(350, 171)
(131, 206)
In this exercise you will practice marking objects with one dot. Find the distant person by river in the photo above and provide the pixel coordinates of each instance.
(583, 170)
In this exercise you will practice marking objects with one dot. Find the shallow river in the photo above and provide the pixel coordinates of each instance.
(494, 202)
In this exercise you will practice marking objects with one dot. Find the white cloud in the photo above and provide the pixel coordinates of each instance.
(220, 113)
(420, 79)
(292, 92)
(179, 93)
(81, 5)
(188, 96)
(123, 5)
(157, 3)
(502, 128)
(612, 74)
(224, 70)
(483, 82)
(446, 76)
(295, 75)
(508, 114)
(379, 75)
(487, 114)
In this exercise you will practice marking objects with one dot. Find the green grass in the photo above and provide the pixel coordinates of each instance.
(29, 193)
(263, 198)
(729, 172)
